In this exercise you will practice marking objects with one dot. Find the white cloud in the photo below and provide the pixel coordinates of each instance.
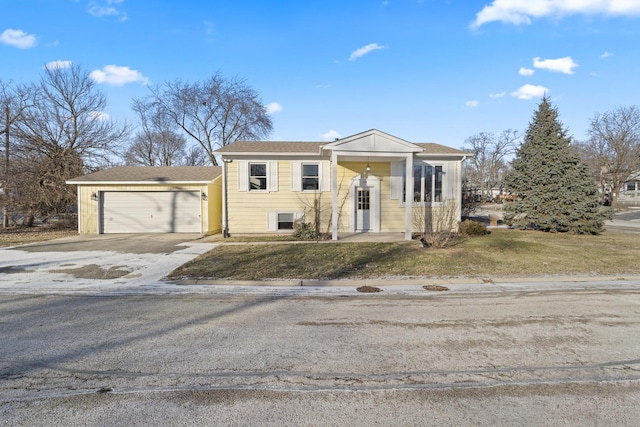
(18, 38)
(107, 10)
(526, 71)
(364, 50)
(529, 91)
(273, 108)
(472, 104)
(497, 95)
(606, 55)
(561, 65)
(57, 64)
(331, 135)
(519, 12)
(118, 76)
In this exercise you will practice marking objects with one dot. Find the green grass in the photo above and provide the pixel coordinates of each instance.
(502, 253)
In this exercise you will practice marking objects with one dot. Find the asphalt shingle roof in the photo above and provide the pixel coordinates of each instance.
(272, 147)
(298, 147)
(433, 148)
(149, 174)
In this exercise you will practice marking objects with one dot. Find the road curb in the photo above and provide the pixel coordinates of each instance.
(378, 282)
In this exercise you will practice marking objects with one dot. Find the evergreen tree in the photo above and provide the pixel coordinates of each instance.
(554, 189)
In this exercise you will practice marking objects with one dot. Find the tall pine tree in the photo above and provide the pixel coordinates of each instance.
(554, 190)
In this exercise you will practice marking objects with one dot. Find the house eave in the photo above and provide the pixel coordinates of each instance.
(270, 153)
(148, 182)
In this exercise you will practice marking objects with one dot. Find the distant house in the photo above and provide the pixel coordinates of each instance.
(630, 190)
(360, 183)
(139, 199)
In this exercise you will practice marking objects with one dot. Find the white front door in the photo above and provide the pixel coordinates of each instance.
(365, 204)
(363, 208)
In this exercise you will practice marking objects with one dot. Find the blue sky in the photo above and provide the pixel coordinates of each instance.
(423, 70)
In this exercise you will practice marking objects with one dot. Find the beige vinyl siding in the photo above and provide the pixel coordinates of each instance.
(249, 212)
(88, 208)
(214, 206)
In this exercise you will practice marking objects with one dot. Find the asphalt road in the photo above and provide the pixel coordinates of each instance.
(524, 357)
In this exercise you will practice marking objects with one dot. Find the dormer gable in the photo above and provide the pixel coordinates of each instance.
(372, 141)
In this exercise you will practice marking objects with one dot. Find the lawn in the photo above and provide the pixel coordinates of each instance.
(501, 253)
(15, 236)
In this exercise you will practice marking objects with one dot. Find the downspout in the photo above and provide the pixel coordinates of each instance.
(225, 205)
(334, 196)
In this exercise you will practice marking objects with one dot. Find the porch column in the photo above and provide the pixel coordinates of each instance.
(334, 196)
(408, 202)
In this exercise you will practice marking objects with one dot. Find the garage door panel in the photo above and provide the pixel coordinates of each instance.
(151, 212)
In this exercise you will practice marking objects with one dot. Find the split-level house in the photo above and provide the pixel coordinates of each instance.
(369, 182)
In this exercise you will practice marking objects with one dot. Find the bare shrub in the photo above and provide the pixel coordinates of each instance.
(437, 226)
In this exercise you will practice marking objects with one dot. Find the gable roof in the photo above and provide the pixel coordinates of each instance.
(363, 140)
(151, 174)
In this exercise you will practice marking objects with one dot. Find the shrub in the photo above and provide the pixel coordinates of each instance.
(470, 228)
(305, 231)
(437, 227)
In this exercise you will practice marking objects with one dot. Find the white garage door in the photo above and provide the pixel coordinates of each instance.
(150, 212)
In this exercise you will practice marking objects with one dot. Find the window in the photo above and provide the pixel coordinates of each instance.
(257, 176)
(310, 177)
(285, 221)
(364, 200)
(631, 186)
(427, 184)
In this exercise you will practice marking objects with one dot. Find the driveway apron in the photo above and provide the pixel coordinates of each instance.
(109, 263)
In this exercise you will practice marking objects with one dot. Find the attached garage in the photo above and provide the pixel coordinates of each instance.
(135, 199)
(150, 212)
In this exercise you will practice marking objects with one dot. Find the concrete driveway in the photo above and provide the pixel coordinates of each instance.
(109, 263)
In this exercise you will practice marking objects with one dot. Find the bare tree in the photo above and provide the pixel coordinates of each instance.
(214, 113)
(195, 156)
(155, 144)
(488, 166)
(62, 132)
(613, 147)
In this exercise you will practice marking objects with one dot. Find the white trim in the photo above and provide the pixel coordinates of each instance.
(408, 209)
(272, 219)
(99, 183)
(243, 175)
(325, 175)
(334, 196)
(257, 154)
(296, 175)
(272, 175)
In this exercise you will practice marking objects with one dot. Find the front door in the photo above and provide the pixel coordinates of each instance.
(363, 208)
